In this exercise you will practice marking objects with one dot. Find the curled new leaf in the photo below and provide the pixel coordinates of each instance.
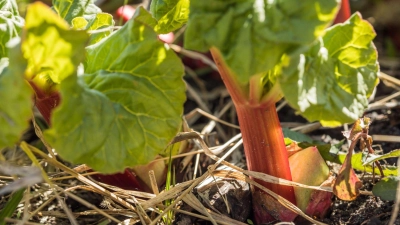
(347, 184)
(333, 80)
(302, 164)
(127, 106)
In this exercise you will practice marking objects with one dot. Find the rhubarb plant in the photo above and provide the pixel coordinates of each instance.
(120, 109)
(268, 49)
(113, 98)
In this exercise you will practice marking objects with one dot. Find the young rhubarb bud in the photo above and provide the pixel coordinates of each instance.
(309, 168)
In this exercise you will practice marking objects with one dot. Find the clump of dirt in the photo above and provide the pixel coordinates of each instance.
(365, 210)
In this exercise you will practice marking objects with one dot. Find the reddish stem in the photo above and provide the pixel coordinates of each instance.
(44, 102)
(344, 12)
(263, 143)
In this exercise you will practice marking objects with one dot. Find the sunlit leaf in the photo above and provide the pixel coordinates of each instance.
(331, 83)
(53, 50)
(253, 35)
(128, 105)
(69, 9)
(170, 14)
(98, 24)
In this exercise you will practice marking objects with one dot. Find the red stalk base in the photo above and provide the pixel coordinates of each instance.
(264, 147)
(266, 152)
(264, 144)
(44, 102)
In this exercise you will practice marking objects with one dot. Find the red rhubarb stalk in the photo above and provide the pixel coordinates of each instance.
(44, 102)
(264, 145)
(344, 12)
(263, 142)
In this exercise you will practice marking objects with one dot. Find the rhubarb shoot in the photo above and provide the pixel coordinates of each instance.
(308, 161)
(266, 49)
(248, 41)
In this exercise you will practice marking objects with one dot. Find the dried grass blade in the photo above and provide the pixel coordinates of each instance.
(89, 205)
(193, 202)
(171, 193)
(82, 179)
(28, 149)
(194, 183)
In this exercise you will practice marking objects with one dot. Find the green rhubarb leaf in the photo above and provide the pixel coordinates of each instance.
(386, 188)
(53, 50)
(170, 14)
(143, 16)
(372, 157)
(253, 35)
(331, 83)
(128, 105)
(69, 9)
(16, 95)
(10, 24)
(98, 24)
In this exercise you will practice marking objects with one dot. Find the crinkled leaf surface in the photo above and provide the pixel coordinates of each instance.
(170, 14)
(332, 81)
(386, 188)
(126, 108)
(16, 98)
(95, 22)
(53, 50)
(69, 9)
(10, 24)
(253, 35)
